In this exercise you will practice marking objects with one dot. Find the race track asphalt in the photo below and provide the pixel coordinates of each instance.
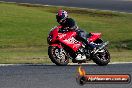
(115, 5)
(51, 76)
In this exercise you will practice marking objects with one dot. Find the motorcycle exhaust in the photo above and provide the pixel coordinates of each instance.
(101, 47)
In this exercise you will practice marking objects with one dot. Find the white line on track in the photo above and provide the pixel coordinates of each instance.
(50, 64)
(95, 63)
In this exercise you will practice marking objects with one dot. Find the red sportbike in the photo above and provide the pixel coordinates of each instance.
(63, 46)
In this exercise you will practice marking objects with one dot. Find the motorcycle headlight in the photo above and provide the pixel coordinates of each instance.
(49, 39)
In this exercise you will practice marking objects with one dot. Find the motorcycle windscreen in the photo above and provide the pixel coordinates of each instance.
(72, 43)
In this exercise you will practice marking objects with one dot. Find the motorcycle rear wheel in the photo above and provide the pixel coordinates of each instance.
(58, 55)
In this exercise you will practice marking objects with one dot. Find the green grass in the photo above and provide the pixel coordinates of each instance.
(122, 56)
(23, 55)
(24, 29)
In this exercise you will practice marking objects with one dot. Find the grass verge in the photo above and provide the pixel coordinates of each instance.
(24, 29)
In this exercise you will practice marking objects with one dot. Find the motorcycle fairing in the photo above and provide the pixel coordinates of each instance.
(69, 40)
(94, 37)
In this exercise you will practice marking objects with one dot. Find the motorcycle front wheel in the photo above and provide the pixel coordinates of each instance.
(58, 55)
(102, 57)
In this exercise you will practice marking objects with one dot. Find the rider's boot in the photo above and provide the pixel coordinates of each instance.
(80, 55)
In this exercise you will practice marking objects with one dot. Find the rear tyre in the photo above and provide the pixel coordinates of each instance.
(102, 58)
(58, 55)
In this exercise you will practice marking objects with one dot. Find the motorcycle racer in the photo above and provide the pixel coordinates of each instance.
(68, 24)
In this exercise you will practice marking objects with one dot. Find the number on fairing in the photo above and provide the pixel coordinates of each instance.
(72, 40)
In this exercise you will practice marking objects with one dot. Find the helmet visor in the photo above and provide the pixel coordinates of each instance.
(60, 18)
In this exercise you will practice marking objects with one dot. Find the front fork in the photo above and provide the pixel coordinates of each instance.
(101, 47)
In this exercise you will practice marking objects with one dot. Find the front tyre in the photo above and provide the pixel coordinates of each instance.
(58, 55)
(102, 57)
